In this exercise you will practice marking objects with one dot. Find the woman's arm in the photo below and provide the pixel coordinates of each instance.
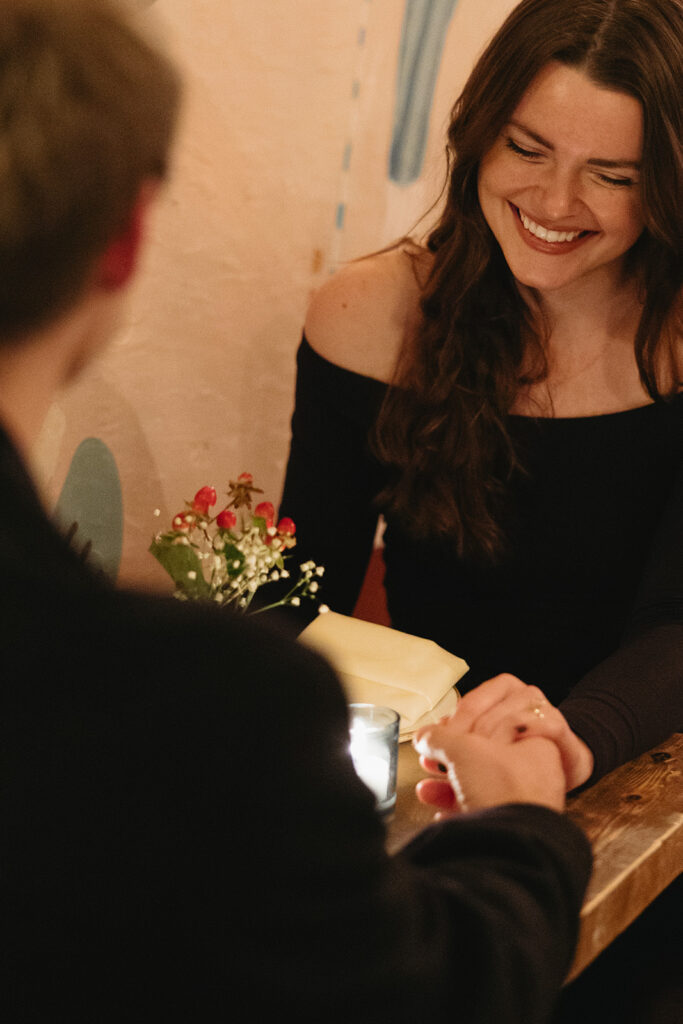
(626, 704)
(331, 477)
(634, 698)
(354, 329)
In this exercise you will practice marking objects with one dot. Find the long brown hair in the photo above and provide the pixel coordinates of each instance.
(443, 428)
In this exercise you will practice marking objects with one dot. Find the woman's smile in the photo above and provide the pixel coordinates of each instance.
(553, 240)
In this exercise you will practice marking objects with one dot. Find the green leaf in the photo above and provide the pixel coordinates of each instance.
(178, 560)
(232, 554)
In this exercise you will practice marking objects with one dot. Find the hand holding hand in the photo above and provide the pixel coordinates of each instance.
(481, 772)
(506, 709)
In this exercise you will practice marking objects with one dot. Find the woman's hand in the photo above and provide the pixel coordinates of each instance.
(480, 772)
(507, 710)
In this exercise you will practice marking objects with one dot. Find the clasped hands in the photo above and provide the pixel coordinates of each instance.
(505, 743)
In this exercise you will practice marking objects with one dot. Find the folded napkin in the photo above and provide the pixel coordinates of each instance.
(378, 665)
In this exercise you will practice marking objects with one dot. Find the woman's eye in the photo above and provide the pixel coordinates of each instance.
(616, 182)
(511, 144)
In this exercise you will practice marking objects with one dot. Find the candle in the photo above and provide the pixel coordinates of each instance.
(373, 770)
(374, 750)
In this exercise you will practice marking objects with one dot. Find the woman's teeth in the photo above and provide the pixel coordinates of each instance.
(544, 234)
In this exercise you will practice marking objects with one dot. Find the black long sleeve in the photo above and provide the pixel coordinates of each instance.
(587, 602)
(332, 478)
(614, 708)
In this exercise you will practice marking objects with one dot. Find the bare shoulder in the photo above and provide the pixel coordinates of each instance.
(359, 318)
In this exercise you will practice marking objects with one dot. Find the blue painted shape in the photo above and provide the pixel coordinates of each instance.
(341, 212)
(91, 496)
(422, 38)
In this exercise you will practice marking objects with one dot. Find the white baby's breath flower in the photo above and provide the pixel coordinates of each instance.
(192, 575)
(296, 602)
(323, 609)
(156, 513)
(313, 587)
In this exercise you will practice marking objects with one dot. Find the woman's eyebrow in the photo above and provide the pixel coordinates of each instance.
(594, 161)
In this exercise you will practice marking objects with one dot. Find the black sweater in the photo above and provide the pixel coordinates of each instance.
(587, 603)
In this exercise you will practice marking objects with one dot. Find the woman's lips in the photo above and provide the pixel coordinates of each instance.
(555, 242)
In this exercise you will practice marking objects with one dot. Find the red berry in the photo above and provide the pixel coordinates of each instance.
(226, 519)
(265, 510)
(245, 478)
(286, 526)
(204, 499)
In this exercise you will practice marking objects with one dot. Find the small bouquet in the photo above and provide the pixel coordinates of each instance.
(227, 558)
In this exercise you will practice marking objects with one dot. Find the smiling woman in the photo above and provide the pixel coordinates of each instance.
(507, 394)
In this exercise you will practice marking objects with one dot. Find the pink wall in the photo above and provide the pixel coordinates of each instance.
(198, 384)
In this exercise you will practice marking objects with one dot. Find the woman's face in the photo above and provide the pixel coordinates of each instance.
(560, 186)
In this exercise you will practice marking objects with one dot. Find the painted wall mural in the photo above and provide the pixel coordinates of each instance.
(90, 506)
(312, 132)
(422, 39)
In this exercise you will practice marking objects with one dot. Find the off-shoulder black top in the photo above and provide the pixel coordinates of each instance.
(588, 601)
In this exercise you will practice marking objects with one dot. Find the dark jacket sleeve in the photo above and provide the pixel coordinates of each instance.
(475, 921)
(332, 479)
(634, 699)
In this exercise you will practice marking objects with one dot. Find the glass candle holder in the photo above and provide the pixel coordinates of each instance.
(374, 750)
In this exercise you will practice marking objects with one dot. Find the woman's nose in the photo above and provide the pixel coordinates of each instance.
(559, 193)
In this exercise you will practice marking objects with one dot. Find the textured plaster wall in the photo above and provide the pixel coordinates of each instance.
(281, 171)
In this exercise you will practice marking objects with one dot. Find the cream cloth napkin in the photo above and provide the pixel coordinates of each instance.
(378, 665)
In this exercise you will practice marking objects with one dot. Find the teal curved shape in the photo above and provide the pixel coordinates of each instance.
(425, 23)
(91, 498)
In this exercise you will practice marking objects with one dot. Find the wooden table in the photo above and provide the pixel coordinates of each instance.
(634, 820)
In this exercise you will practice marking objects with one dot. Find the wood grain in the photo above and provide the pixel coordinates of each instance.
(633, 819)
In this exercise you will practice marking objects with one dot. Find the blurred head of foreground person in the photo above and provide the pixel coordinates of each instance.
(87, 113)
(183, 834)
